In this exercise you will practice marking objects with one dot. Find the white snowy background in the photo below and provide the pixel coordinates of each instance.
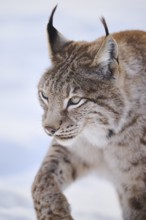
(23, 58)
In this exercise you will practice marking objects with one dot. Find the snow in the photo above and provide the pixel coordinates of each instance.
(24, 57)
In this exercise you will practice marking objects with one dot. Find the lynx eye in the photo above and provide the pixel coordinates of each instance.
(74, 101)
(43, 96)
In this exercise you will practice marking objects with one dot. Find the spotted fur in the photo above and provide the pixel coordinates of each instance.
(94, 101)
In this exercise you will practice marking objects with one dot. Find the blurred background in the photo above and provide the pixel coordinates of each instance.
(23, 59)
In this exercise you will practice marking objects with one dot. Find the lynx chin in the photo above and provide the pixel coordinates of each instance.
(94, 102)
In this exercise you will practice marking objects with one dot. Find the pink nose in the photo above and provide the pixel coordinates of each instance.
(50, 130)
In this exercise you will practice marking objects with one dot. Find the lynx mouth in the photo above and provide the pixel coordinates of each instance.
(64, 137)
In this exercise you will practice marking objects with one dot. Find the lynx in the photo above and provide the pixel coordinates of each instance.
(94, 101)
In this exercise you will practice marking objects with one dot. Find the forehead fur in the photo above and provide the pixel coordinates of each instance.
(71, 69)
(80, 52)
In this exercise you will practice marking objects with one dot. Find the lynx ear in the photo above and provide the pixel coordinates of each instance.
(108, 51)
(56, 40)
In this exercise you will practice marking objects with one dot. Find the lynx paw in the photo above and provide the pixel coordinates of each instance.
(49, 202)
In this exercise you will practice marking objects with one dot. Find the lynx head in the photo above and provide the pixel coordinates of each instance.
(80, 93)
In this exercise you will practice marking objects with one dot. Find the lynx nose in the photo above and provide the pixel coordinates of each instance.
(50, 130)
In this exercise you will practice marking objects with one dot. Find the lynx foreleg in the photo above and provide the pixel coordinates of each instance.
(59, 169)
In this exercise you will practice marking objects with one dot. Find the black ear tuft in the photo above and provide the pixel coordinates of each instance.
(56, 40)
(103, 21)
(52, 32)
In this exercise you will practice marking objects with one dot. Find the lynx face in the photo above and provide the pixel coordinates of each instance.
(80, 94)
